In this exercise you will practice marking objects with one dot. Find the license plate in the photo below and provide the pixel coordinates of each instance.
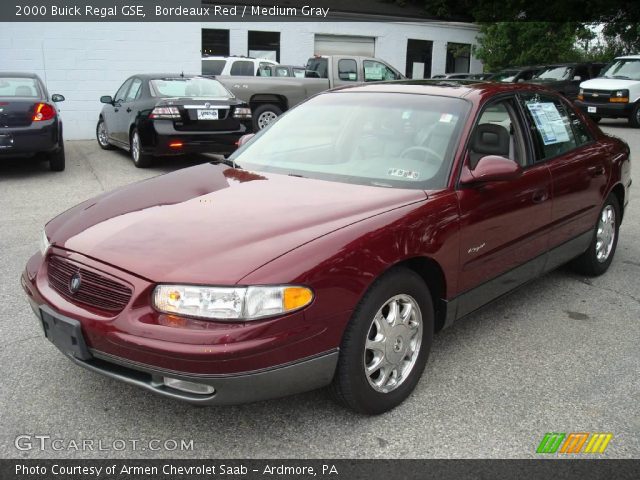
(592, 109)
(64, 333)
(207, 114)
(6, 141)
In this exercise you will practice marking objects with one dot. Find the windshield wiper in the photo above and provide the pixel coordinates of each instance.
(296, 175)
(226, 161)
(621, 77)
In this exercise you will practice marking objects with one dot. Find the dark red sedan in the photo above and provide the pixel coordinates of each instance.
(335, 245)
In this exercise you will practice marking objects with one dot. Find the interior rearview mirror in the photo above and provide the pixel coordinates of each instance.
(492, 168)
(245, 138)
(56, 97)
(106, 99)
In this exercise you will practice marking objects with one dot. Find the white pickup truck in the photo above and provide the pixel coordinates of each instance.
(270, 97)
(615, 93)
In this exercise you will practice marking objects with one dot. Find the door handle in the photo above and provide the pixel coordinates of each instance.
(128, 110)
(596, 171)
(540, 196)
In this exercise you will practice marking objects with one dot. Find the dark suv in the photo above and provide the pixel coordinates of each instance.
(565, 78)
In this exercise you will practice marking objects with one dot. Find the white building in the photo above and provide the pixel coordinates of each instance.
(83, 61)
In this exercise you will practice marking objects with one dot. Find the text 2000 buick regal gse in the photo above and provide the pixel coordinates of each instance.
(349, 231)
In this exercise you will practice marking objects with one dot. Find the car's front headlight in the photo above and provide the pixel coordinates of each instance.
(230, 303)
(44, 243)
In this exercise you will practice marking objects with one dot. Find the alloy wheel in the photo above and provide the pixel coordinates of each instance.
(102, 134)
(135, 147)
(393, 343)
(606, 233)
(265, 119)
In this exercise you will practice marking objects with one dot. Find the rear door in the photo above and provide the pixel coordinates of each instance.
(504, 226)
(576, 162)
(128, 110)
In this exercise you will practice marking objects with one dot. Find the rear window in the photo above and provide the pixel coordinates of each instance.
(213, 67)
(242, 68)
(188, 87)
(18, 87)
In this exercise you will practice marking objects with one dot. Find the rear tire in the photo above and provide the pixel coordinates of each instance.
(596, 119)
(140, 160)
(383, 354)
(102, 136)
(598, 257)
(57, 161)
(634, 119)
(264, 115)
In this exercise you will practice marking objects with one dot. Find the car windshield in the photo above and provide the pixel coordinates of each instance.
(18, 87)
(554, 73)
(387, 140)
(188, 87)
(625, 69)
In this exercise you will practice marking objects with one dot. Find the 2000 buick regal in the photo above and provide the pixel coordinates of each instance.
(347, 233)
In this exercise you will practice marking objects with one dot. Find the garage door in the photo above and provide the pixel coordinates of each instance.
(345, 45)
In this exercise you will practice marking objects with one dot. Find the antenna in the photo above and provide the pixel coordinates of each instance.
(44, 64)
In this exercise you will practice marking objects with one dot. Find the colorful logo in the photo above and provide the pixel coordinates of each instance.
(574, 442)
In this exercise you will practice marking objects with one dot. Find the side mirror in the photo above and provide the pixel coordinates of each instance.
(106, 99)
(56, 97)
(577, 78)
(244, 139)
(492, 168)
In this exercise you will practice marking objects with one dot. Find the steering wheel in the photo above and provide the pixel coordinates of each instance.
(430, 154)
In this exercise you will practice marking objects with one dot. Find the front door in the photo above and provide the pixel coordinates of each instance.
(504, 226)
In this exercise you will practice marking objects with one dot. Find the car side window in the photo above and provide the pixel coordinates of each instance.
(122, 91)
(348, 70)
(498, 132)
(376, 71)
(581, 71)
(580, 130)
(134, 91)
(242, 68)
(552, 130)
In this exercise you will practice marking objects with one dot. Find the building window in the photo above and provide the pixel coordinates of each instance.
(458, 57)
(264, 45)
(215, 42)
(419, 54)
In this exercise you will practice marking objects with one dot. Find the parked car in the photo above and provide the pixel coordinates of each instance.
(270, 97)
(565, 78)
(30, 122)
(371, 217)
(481, 76)
(616, 93)
(234, 66)
(515, 74)
(453, 76)
(281, 71)
(171, 114)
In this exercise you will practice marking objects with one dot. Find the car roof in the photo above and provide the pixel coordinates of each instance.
(631, 57)
(477, 89)
(159, 76)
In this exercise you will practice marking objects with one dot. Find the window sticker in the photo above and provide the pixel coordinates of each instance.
(549, 122)
(446, 118)
(399, 172)
(373, 73)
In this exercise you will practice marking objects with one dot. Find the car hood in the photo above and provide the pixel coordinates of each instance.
(609, 83)
(214, 224)
(548, 82)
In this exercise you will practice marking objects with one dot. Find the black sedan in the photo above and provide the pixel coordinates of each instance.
(169, 114)
(30, 122)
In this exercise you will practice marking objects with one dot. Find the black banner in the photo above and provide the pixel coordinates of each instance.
(318, 469)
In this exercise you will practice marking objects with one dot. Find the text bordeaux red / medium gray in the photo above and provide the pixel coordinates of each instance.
(332, 245)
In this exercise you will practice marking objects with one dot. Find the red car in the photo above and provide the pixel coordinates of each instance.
(356, 226)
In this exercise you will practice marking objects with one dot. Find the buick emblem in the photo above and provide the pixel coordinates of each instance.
(207, 105)
(75, 283)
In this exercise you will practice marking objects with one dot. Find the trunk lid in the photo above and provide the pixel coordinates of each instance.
(16, 112)
(203, 114)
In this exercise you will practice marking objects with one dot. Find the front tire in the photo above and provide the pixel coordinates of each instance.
(264, 115)
(140, 160)
(386, 344)
(595, 118)
(598, 257)
(102, 136)
(634, 119)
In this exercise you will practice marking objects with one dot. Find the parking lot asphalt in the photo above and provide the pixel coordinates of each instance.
(562, 354)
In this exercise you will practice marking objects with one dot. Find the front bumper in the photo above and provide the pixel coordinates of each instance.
(243, 362)
(40, 137)
(605, 110)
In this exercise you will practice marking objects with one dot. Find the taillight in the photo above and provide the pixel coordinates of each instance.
(166, 113)
(43, 111)
(242, 112)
